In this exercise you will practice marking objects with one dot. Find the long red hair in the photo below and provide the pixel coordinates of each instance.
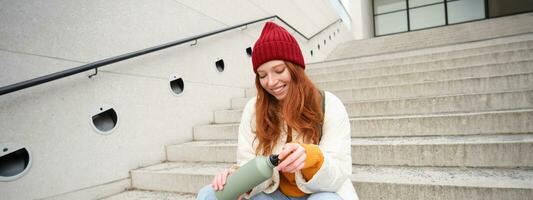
(300, 109)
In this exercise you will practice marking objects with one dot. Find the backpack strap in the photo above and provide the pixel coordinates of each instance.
(323, 112)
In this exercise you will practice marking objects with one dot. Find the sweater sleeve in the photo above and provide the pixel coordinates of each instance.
(335, 146)
(313, 162)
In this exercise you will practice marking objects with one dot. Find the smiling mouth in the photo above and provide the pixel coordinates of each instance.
(278, 90)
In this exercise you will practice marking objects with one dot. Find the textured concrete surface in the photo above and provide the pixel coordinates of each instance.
(176, 177)
(448, 122)
(435, 88)
(490, 122)
(428, 76)
(414, 182)
(149, 195)
(422, 57)
(216, 131)
(460, 151)
(480, 30)
(406, 106)
(454, 123)
(351, 72)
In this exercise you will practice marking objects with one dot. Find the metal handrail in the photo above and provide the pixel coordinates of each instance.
(100, 63)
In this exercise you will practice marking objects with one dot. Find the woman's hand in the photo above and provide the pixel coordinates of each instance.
(293, 158)
(220, 179)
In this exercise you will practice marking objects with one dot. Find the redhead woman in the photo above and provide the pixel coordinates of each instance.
(309, 129)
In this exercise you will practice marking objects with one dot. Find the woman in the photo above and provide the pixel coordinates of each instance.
(288, 118)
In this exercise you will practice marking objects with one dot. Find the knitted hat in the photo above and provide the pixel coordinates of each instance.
(275, 43)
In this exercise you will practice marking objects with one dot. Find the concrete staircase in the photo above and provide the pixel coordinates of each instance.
(449, 122)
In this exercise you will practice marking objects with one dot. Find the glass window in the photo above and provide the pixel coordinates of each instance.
(416, 3)
(465, 10)
(391, 23)
(383, 6)
(428, 16)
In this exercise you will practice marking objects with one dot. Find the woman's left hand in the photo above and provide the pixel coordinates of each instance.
(293, 158)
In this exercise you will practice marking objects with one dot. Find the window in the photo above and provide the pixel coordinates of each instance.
(396, 16)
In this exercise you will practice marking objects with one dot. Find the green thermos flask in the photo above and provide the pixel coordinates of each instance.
(247, 177)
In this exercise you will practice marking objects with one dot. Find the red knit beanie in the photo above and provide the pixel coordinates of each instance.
(275, 43)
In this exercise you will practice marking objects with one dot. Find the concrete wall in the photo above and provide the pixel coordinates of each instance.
(362, 19)
(69, 158)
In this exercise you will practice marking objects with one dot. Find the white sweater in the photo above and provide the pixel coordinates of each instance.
(335, 144)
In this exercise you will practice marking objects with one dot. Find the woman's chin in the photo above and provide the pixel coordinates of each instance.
(280, 97)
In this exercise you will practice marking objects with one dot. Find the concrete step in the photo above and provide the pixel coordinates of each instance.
(489, 122)
(176, 177)
(508, 151)
(429, 38)
(370, 181)
(239, 102)
(428, 76)
(216, 132)
(486, 122)
(521, 99)
(440, 104)
(204, 151)
(433, 88)
(407, 183)
(250, 92)
(354, 72)
(144, 195)
(438, 88)
(227, 116)
(432, 54)
(442, 57)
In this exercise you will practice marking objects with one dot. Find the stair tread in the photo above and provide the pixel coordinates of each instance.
(473, 45)
(427, 115)
(431, 115)
(348, 101)
(407, 98)
(433, 82)
(446, 140)
(440, 70)
(445, 176)
(403, 140)
(196, 168)
(144, 195)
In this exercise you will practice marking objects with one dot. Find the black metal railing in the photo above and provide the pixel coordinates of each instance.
(100, 63)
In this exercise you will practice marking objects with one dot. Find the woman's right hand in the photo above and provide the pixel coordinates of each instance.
(220, 179)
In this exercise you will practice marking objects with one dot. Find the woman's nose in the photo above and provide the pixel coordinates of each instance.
(271, 81)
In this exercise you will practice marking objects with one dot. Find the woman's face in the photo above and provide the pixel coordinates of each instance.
(275, 77)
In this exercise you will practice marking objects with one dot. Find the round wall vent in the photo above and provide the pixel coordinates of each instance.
(15, 161)
(105, 120)
(249, 51)
(177, 85)
(220, 65)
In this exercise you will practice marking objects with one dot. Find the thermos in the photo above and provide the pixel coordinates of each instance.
(247, 177)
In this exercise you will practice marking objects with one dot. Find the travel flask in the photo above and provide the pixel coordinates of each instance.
(247, 177)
